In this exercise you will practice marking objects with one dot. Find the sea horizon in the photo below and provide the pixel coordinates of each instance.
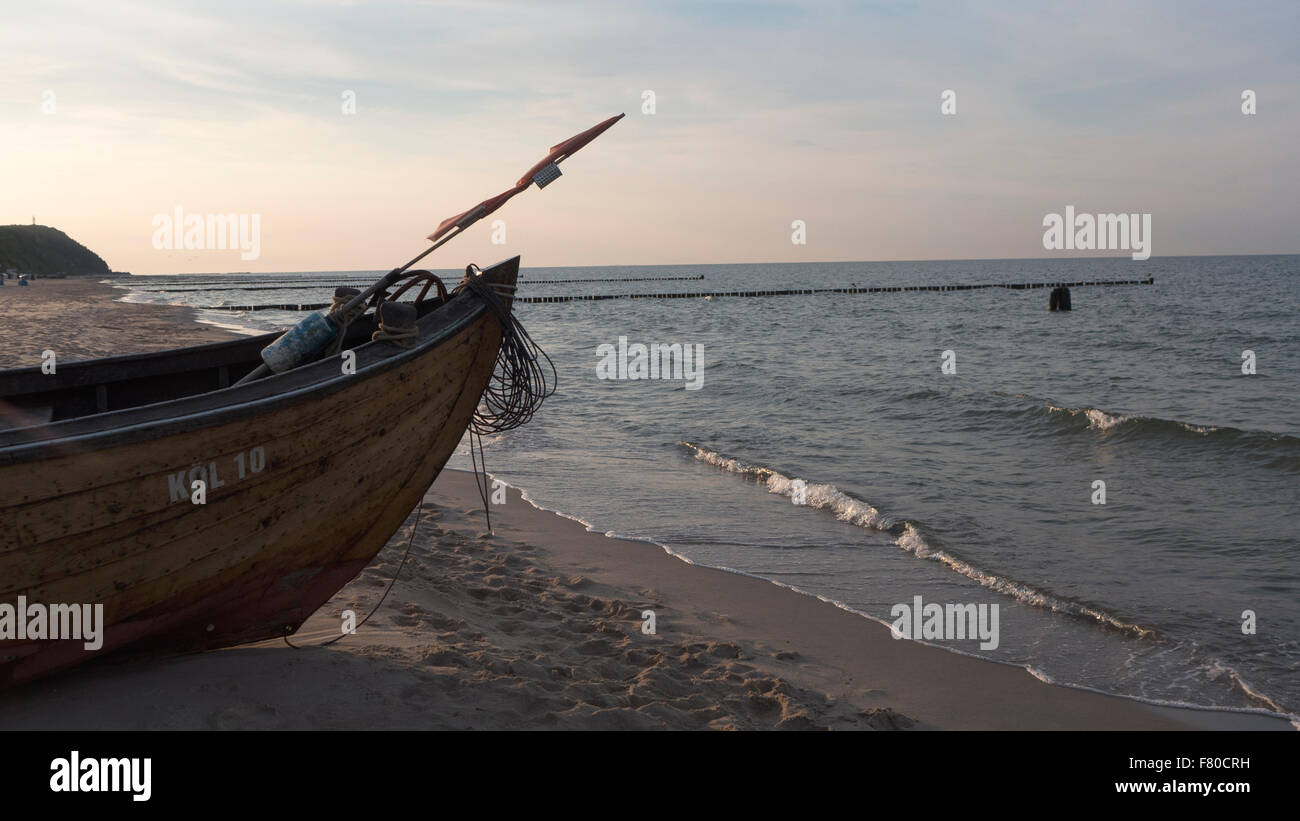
(1096, 255)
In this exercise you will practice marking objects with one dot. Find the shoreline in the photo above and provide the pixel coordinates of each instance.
(81, 319)
(842, 651)
(539, 625)
(1229, 717)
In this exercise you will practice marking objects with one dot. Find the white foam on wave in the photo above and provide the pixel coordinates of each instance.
(146, 297)
(225, 320)
(829, 497)
(1272, 711)
(590, 528)
(1101, 420)
(820, 496)
(855, 511)
(1097, 419)
(1218, 669)
(234, 327)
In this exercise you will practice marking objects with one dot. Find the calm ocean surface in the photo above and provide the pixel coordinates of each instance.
(972, 487)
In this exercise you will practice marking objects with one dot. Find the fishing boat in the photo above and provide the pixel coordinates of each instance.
(220, 494)
(305, 476)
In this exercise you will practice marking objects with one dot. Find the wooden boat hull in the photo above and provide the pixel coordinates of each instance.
(304, 487)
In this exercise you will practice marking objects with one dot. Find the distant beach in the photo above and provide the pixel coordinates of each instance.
(539, 625)
(78, 319)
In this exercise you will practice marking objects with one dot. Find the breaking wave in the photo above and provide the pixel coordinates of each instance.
(1276, 450)
(1101, 420)
(908, 537)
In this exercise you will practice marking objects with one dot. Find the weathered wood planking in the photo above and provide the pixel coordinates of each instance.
(98, 520)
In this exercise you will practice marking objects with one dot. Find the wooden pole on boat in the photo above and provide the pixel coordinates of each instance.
(544, 172)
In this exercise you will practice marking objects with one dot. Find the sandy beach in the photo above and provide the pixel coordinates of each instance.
(536, 625)
(77, 319)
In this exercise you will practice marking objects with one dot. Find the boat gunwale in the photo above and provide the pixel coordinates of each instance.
(130, 432)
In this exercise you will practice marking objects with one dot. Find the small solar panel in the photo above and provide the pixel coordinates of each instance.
(547, 175)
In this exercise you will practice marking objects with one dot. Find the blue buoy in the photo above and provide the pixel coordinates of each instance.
(301, 342)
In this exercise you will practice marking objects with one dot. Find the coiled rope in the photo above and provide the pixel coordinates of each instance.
(342, 318)
(406, 338)
(520, 382)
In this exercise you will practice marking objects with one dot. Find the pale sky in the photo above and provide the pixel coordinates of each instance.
(765, 113)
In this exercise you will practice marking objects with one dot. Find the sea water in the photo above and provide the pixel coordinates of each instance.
(944, 445)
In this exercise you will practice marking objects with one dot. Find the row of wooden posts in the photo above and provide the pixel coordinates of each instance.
(1015, 286)
(524, 281)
